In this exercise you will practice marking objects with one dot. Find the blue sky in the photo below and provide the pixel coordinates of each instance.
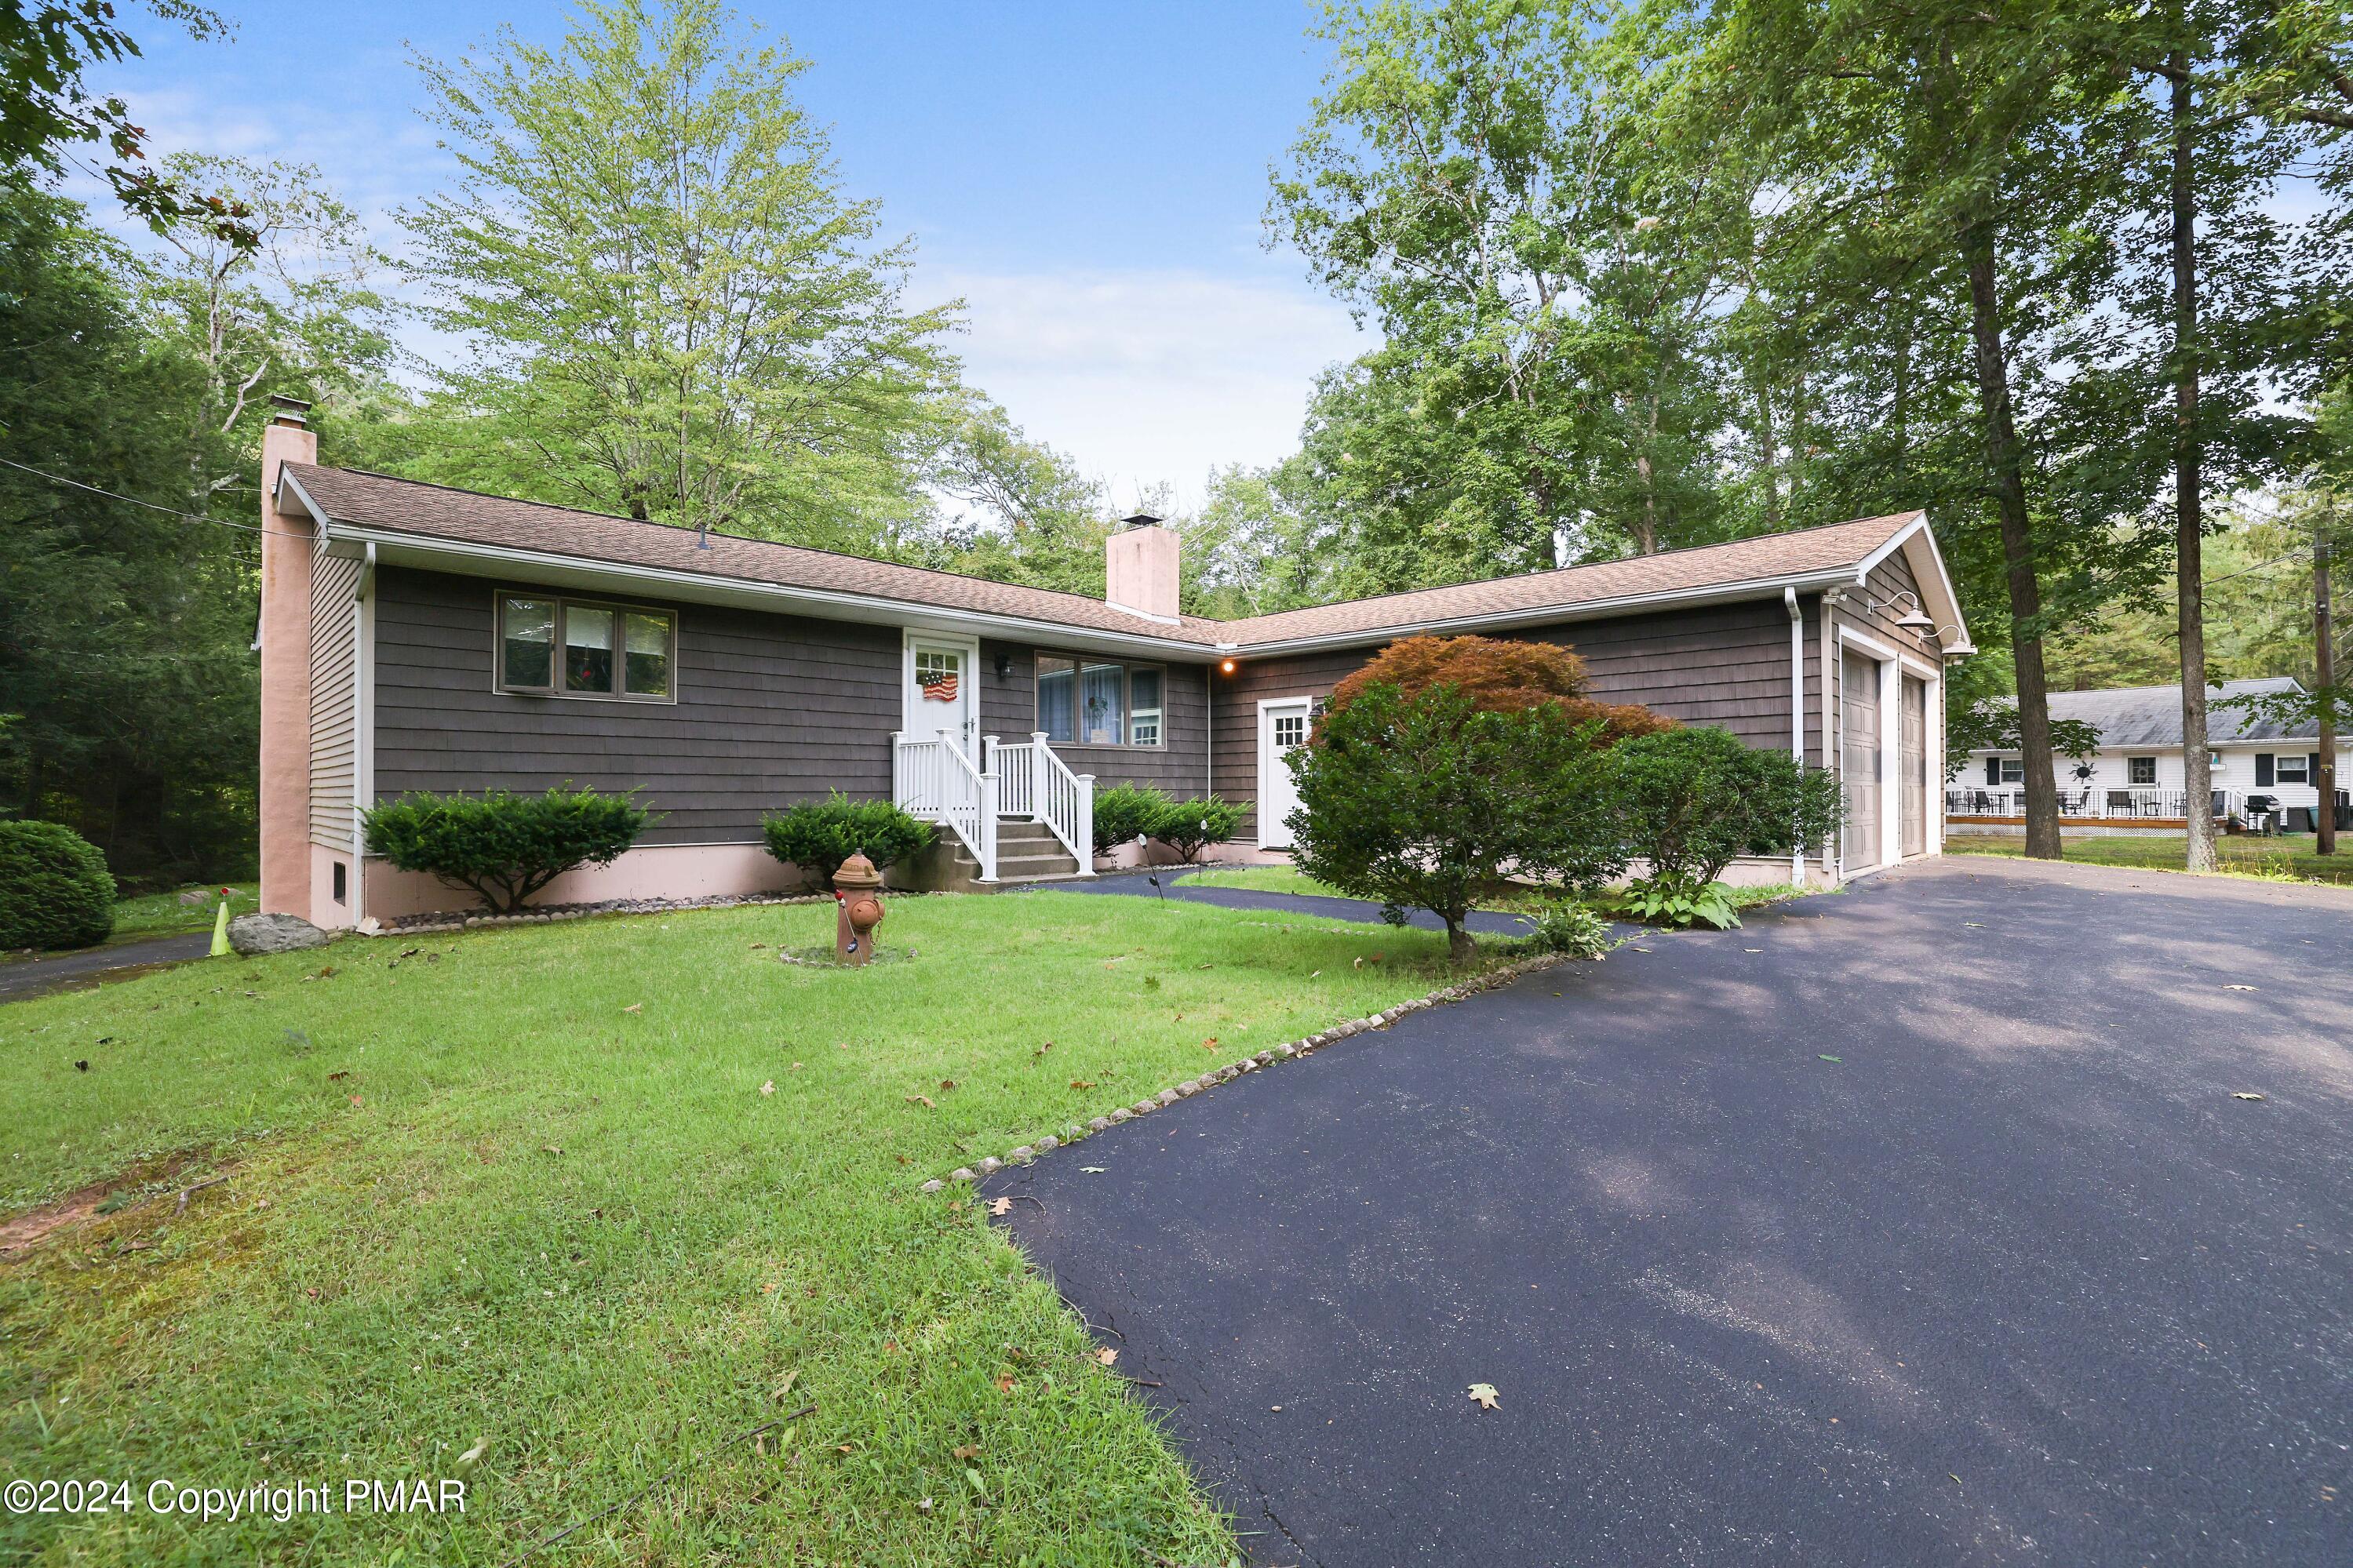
(1090, 178)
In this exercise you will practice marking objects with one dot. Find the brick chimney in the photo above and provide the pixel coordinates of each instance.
(1140, 568)
(287, 543)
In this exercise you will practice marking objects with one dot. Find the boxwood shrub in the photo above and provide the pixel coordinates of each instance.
(504, 846)
(820, 835)
(1126, 811)
(55, 890)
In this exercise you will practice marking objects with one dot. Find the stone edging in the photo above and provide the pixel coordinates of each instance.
(1501, 975)
(586, 911)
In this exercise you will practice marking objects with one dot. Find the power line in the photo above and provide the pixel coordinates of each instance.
(151, 506)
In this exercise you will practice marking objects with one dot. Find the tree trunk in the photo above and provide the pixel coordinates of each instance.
(2324, 669)
(2188, 507)
(2005, 469)
(1459, 945)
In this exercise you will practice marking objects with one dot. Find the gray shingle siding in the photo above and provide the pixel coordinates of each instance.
(770, 709)
(1719, 664)
(1009, 710)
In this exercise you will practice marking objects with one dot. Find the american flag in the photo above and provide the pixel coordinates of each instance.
(940, 686)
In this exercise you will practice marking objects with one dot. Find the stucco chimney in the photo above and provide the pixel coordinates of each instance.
(287, 541)
(1140, 568)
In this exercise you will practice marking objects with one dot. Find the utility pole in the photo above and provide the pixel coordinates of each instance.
(2324, 652)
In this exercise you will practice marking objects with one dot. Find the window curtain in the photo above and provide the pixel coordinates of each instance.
(1102, 707)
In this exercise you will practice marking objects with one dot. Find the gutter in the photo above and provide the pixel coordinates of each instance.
(1796, 711)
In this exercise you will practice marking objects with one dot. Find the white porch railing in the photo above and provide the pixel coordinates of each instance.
(934, 781)
(2092, 803)
(1036, 785)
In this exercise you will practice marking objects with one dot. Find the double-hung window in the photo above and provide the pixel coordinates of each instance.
(1101, 702)
(2294, 769)
(566, 647)
(2013, 770)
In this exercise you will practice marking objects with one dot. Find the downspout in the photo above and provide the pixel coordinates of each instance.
(1209, 730)
(1796, 712)
(362, 725)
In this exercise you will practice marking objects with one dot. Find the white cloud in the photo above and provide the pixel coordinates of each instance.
(1149, 375)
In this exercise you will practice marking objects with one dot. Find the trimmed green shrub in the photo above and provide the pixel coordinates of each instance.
(1126, 812)
(503, 846)
(1426, 800)
(54, 888)
(820, 835)
(1693, 801)
(1189, 827)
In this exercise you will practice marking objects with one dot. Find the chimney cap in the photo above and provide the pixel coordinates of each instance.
(1140, 520)
(287, 410)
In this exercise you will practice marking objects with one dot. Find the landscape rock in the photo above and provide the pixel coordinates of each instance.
(1048, 1143)
(934, 1185)
(1122, 1114)
(250, 934)
(1167, 1097)
(1022, 1155)
(960, 1174)
(991, 1165)
(1098, 1123)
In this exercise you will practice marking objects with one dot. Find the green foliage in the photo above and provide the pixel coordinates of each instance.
(1425, 801)
(124, 633)
(1189, 827)
(503, 846)
(54, 888)
(1991, 725)
(1013, 510)
(818, 835)
(1126, 812)
(1693, 801)
(1679, 898)
(678, 314)
(1564, 926)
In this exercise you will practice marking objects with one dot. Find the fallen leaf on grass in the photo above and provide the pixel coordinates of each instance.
(355, 1099)
(634, 1007)
(552, 1148)
(924, 1505)
(1000, 1205)
(1483, 1395)
(1004, 1383)
(923, 1099)
(2244, 1094)
(1106, 1355)
(769, 1087)
(472, 1456)
(965, 1451)
(1082, 1083)
(947, 1084)
(1210, 1044)
(339, 1075)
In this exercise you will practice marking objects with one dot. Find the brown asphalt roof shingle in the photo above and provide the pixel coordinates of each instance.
(377, 500)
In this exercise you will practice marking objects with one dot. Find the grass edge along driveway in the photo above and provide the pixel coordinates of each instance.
(597, 1196)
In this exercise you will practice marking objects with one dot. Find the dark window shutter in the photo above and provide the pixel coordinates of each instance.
(2263, 770)
(1993, 770)
(2312, 769)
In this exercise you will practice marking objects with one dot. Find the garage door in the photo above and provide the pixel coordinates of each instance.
(1912, 773)
(1859, 756)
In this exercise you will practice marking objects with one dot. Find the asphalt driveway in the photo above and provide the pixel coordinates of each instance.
(2015, 1278)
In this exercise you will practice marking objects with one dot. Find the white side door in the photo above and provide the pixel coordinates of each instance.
(1281, 729)
(942, 693)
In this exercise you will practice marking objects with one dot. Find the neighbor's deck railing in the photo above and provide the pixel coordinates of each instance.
(2092, 803)
(936, 782)
(1035, 783)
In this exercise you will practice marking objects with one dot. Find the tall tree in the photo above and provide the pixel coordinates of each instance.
(1494, 183)
(1013, 510)
(49, 112)
(675, 311)
(1953, 151)
(128, 688)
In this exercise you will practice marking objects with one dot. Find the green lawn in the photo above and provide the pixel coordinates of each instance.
(525, 1186)
(162, 915)
(1265, 879)
(2290, 855)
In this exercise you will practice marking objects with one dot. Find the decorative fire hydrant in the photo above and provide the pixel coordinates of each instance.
(858, 900)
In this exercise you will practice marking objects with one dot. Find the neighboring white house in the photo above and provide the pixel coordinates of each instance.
(2136, 773)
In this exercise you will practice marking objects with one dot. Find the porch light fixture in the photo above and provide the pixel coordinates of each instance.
(1917, 621)
(1004, 665)
(1225, 667)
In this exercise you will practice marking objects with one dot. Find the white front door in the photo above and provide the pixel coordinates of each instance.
(1281, 729)
(943, 696)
